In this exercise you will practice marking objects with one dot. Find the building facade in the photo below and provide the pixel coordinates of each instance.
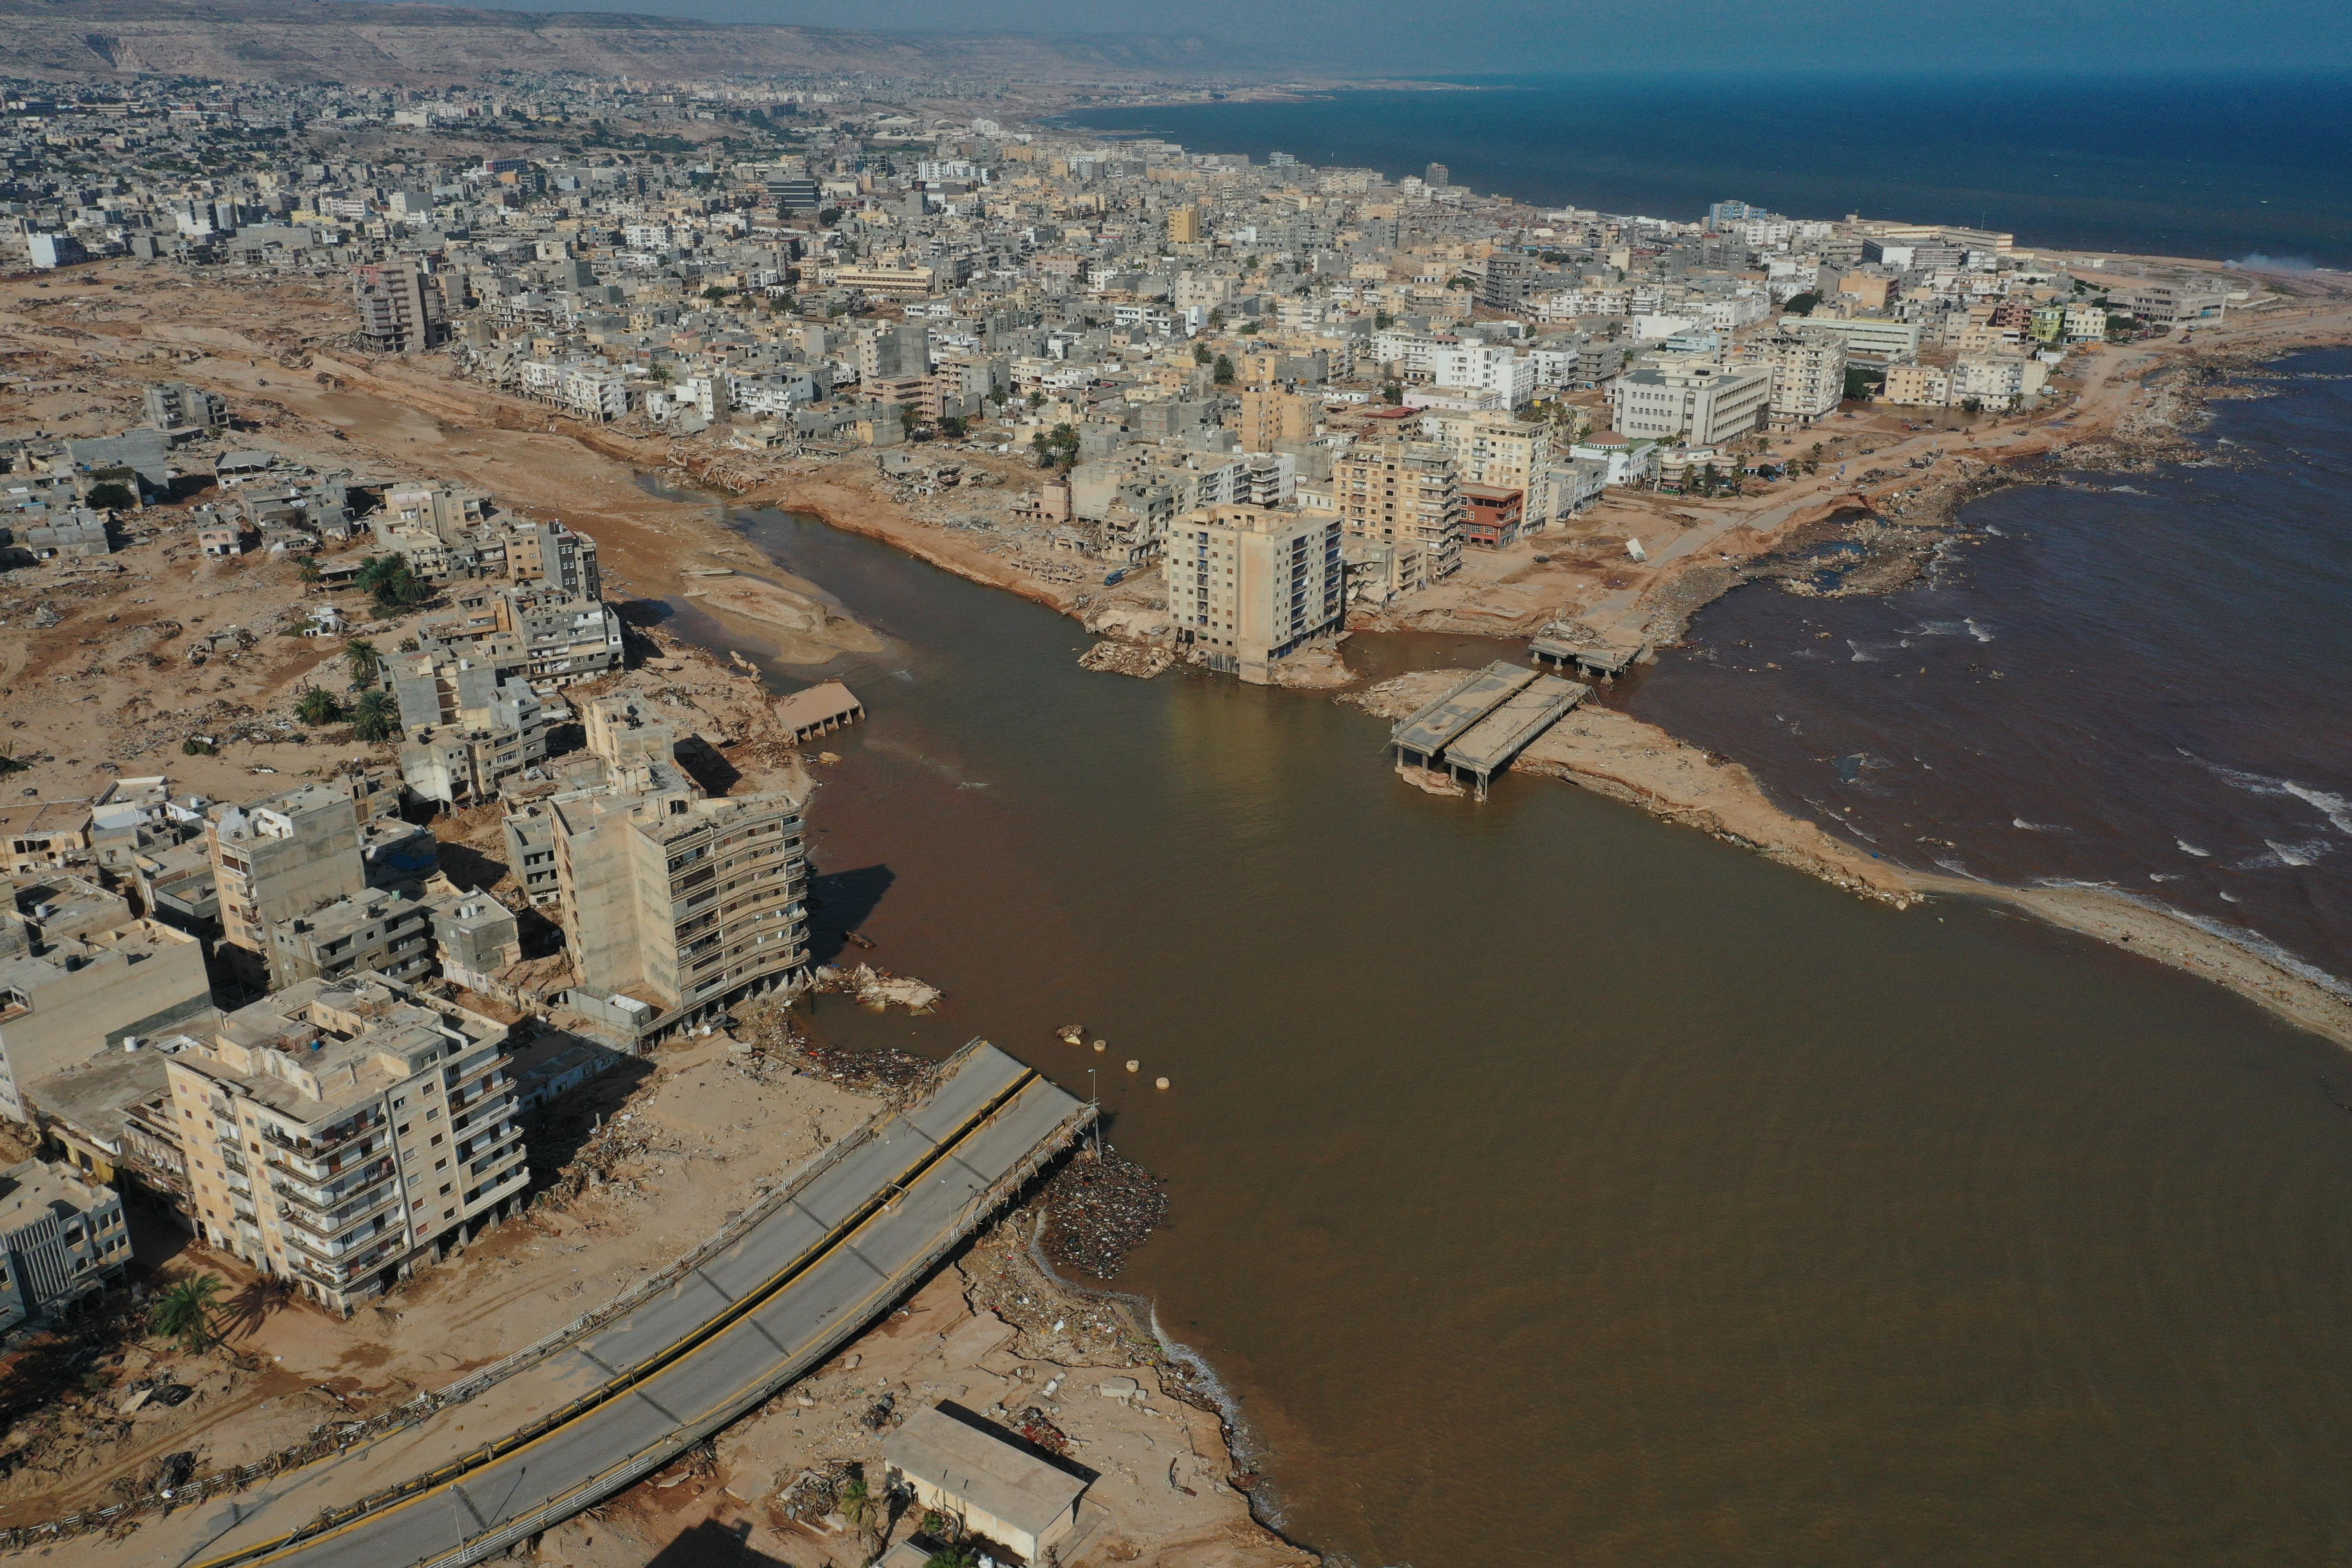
(340, 1132)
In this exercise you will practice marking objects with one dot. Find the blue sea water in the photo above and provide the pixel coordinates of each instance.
(2223, 166)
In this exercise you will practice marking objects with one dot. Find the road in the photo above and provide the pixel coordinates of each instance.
(627, 1398)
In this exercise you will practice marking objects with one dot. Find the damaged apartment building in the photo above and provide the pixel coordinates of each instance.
(673, 904)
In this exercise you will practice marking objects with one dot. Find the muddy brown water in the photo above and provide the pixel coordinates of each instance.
(1552, 1185)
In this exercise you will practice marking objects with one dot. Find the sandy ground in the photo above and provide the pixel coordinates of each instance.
(1622, 757)
(983, 1335)
(699, 1136)
(110, 690)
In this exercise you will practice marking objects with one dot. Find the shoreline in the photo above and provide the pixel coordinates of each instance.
(2161, 400)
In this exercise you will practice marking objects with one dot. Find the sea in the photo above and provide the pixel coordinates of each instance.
(1548, 1180)
(2243, 166)
(2137, 681)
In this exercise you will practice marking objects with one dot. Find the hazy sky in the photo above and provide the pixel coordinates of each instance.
(1546, 35)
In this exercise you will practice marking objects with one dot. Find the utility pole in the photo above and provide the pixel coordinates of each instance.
(1094, 1097)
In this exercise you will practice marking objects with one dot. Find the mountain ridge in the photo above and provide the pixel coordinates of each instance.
(371, 44)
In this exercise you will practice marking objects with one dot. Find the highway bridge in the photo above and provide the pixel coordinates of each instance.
(832, 1251)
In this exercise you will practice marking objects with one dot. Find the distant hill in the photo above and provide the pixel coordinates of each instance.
(338, 40)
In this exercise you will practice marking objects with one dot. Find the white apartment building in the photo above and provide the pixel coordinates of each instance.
(1808, 377)
(1997, 380)
(1697, 402)
(1247, 586)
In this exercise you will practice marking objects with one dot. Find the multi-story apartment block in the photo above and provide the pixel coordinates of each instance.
(378, 931)
(683, 903)
(1808, 377)
(281, 857)
(176, 406)
(1271, 415)
(1246, 586)
(544, 635)
(1393, 490)
(401, 308)
(553, 556)
(339, 1132)
(60, 1238)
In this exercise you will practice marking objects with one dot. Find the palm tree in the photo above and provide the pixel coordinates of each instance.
(375, 716)
(858, 1507)
(361, 654)
(317, 707)
(184, 1312)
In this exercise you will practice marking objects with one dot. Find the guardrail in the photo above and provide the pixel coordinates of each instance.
(647, 1460)
(338, 1438)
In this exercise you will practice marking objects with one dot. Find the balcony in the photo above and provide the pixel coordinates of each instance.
(324, 1233)
(331, 1194)
(323, 1148)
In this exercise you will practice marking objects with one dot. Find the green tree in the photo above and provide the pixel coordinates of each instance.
(309, 564)
(1392, 394)
(715, 292)
(392, 582)
(184, 1312)
(317, 707)
(375, 716)
(1223, 374)
(111, 497)
(1201, 354)
(951, 1557)
(1383, 321)
(859, 1507)
(1802, 304)
(951, 426)
(360, 656)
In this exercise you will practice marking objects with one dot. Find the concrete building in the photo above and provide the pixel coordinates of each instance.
(468, 730)
(474, 937)
(281, 857)
(550, 555)
(52, 833)
(1271, 415)
(401, 308)
(1495, 450)
(377, 930)
(1247, 586)
(65, 999)
(1880, 340)
(1392, 491)
(176, 406)
(1916, 386)
(1808, 377)
(339, 1132)
(60, 1238)
(1696, 401)
(544, 635)
(995, 1489)
(682, 902)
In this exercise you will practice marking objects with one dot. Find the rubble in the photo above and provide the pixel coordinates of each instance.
(1114, 658)
(770, 1043)
(1099, 1210)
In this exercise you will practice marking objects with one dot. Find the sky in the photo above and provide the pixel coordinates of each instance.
(1434, 37)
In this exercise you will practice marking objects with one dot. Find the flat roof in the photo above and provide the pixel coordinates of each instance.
(986, 1471)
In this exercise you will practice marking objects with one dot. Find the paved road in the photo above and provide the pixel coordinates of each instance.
(799, 1284)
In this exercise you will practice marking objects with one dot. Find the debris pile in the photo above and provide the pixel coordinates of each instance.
(617, 1155)
(1033, 1424)
(773, 1043)
(1099, 1210)
(1114, 658)
(815, 1492)
(877, 988)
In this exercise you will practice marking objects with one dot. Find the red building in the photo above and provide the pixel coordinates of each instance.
(1495, 514)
